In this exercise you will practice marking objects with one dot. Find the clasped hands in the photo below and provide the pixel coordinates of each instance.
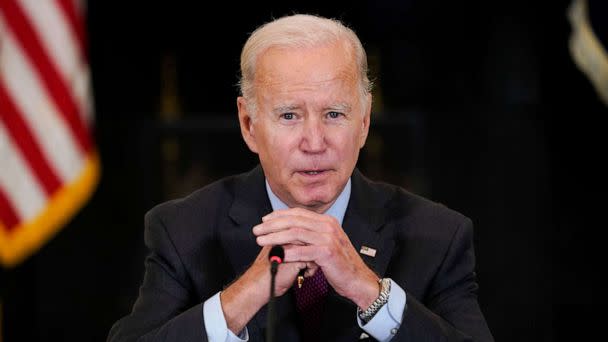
(315, 241)
(310, 240)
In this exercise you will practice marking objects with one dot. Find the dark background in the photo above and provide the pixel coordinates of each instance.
(478, 105)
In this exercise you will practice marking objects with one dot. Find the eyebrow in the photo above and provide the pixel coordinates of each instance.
(342, 107)
(284, 108)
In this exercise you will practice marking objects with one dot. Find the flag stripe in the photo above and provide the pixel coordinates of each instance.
(26, 143)
(20, 26)
(75, 22)
(39, 113)
(64, 47)
(74, 13)
(8, 216)
(56, 37)
(18, 181)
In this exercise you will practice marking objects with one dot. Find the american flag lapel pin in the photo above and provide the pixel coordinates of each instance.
(368, 251)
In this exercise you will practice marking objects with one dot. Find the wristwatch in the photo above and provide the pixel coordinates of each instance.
(385, 290)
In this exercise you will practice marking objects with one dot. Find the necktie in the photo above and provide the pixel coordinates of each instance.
(310, 300)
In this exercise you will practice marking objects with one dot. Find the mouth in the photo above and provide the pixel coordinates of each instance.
(312, 173)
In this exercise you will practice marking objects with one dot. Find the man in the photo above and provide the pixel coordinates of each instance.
(385, 264)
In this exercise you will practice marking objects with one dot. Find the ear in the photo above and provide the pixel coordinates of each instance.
(246, 123)
(366, 120)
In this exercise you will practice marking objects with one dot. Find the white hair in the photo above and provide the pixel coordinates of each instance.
(300, 30)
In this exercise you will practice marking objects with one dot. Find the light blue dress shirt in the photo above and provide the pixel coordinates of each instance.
(383, 326)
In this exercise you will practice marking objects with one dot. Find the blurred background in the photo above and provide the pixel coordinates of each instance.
(477, 105)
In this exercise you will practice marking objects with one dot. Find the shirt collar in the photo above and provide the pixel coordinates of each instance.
(337, 210)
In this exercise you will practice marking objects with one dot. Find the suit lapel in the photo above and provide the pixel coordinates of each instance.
(250, 204)
(363, 223)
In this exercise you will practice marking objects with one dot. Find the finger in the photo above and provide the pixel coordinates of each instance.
(285, 222)
(286, 275)
(309, 254)
(294, 236)
(278, 223)
(318, 222)
(294, 266)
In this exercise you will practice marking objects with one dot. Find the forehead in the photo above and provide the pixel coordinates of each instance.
(307, 68)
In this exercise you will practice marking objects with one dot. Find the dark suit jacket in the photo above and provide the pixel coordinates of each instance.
(201, 243)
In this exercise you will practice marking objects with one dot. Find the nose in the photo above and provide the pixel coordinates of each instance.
(313, 136)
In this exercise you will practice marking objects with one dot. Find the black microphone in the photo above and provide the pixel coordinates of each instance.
(276, 256)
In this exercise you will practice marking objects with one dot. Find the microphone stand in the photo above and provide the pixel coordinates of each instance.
(270, 328)
(275, 256)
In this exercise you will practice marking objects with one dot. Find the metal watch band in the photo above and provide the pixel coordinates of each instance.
(385, 290)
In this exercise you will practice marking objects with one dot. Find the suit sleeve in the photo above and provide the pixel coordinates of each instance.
(450, 311)
(166, 308)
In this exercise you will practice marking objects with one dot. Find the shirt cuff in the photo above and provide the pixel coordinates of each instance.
(215, 323)
(386, 322)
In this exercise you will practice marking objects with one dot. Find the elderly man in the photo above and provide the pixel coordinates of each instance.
(379, 262)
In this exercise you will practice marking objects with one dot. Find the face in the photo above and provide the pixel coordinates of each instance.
(310, 124)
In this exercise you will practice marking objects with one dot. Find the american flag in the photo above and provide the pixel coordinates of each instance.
(48, 161)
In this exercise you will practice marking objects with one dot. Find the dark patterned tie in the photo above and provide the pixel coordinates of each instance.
(310, 300)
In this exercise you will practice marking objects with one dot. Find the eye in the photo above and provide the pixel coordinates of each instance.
(334, 115)
(288, 116)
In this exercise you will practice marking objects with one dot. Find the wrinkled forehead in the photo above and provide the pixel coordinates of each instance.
(316, 65)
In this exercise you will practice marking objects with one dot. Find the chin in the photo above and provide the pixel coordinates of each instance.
(315, 201)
